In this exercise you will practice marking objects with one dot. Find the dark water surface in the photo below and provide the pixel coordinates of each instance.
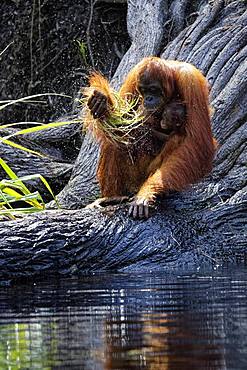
(186, 320)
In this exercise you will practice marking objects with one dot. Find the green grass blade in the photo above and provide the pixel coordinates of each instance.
(13, 176)
(12, 193)
(8, 170)
(18, 183)
(12, 197)
(45, 182)
(20, 211)
(20, 123)
(21, 147)
(15, 101)
(31, 198)
(15, 184)
(5, 199)
(40, 128)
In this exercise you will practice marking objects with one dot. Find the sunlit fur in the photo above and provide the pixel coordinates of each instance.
(184, 159)
(96, 82)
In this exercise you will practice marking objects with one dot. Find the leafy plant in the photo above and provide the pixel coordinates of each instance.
(14, 190)
(82, 48)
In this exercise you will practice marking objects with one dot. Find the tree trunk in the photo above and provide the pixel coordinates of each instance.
(202, 226)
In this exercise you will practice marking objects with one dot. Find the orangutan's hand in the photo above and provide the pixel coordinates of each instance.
(98, 104)
(140, 208)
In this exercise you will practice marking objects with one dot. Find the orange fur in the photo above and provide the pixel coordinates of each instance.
(97, 82)
(184, 159)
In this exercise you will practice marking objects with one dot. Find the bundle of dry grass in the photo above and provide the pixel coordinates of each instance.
(120, 122)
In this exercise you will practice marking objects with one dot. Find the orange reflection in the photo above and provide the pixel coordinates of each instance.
(163, 341)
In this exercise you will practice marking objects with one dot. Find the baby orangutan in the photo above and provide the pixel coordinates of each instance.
(178, 148)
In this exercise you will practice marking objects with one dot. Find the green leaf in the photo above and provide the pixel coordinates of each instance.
(19, 123)
(7, 169)
(13, 176)
(30, 97)
(40, 177)
(40, 128)
(21, 147)
(6, 202)
(17, 211)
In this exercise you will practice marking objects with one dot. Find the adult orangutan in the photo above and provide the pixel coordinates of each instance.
(179, 148)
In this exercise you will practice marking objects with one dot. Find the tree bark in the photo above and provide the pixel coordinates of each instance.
(202, 226)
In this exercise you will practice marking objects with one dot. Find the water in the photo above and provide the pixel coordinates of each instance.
(180, 321)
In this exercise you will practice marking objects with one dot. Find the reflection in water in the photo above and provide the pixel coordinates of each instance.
(157, 321)
(165, 342)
